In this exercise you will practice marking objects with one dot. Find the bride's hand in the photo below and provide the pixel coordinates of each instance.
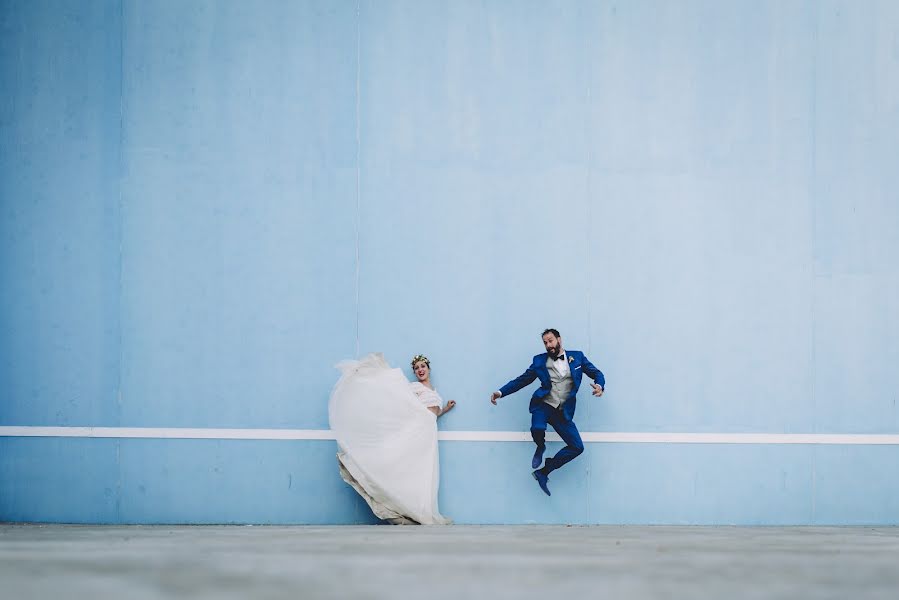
(449, 406)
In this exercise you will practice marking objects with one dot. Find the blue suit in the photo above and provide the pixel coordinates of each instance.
(562, 418)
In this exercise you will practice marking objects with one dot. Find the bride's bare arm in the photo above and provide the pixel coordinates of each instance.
(442, 411)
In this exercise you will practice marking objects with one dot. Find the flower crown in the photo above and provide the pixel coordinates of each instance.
(419, 358)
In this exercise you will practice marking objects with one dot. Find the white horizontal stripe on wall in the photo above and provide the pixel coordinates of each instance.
(456, 436)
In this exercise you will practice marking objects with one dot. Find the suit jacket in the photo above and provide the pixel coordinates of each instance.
(578, 364)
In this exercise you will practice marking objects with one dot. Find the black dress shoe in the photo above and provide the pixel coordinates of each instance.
(538, 458)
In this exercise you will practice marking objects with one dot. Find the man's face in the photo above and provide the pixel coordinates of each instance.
(552, 344)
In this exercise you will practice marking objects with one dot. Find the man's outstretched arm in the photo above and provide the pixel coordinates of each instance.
(516, 384)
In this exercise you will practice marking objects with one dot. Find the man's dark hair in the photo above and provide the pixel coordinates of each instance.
(555, 332)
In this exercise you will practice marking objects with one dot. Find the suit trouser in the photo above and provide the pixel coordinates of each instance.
(567, 430)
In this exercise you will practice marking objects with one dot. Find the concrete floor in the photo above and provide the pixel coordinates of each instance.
(458, 562)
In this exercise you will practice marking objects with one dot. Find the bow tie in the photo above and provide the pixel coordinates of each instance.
(560, 357)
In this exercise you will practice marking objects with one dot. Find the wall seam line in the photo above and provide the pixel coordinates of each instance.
(121, 275)
(813, 168)
(358, 167)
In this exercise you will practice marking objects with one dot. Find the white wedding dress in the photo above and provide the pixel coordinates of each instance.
(387, 440)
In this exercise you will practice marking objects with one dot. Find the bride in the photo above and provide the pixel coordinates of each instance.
(386, 431)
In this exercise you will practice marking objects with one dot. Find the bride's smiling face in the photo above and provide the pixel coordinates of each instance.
(422, 370)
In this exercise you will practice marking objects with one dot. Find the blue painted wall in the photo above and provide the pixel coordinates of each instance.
(206, 205)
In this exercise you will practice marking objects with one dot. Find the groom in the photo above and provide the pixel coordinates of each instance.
(560, 373)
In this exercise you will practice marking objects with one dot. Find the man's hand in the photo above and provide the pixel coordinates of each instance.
(494, 397)
(597, 389)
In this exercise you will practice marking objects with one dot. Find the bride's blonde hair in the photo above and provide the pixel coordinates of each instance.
(419, 358)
